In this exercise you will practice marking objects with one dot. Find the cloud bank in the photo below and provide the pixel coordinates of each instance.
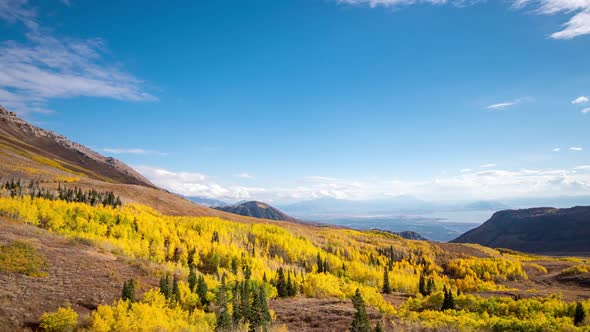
(469, 185)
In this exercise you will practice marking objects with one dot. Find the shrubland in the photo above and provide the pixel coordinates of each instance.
(219, 274)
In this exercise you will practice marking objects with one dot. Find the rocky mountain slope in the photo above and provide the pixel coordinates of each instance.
(538, 230)
(28, 153)
(258, 210)
(25, 148)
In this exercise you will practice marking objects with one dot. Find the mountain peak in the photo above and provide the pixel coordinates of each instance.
(257, 209)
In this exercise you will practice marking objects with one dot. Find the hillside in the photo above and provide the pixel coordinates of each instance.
(27, 150)
(537, 230)
(256, 209)
(28, 153)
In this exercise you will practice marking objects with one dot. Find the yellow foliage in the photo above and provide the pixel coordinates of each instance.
(21, 257)
(62, 320)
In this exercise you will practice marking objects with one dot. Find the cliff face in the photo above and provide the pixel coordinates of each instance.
(540, 230)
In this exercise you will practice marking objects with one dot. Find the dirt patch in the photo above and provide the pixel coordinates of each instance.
(317, 315)
(76, 274)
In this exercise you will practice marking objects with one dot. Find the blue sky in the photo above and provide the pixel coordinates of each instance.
(291, 100)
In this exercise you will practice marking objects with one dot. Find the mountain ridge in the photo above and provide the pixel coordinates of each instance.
(52, 149)
(538, 230)
(257, 209)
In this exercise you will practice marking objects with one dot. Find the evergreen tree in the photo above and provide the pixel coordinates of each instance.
(281, 283)
(128, 290)
(430, 287)
(165, 286)
(175, 291)
(320, 264)
(237, 312)
(326, 266)
(245, 300)
(360, 322)
(202, 292)
(192, 279)
(448, 301)
(386, 286)
(580, 314)
(422, 285)
(259, 313)
(291, 285)
(223, 321)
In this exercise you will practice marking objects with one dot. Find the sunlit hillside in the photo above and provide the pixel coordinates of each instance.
(217, 274)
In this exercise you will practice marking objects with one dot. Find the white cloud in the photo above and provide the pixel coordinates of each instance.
(195, 184)
(556, 149)
(46, 66)
(580, 100)
(501, 106)
(576, 148)
(466, 170)
(133, 151)
(245, 176)
(508, 104)
(487, 165)
(577, 10)
(585, 110)
(483, 184)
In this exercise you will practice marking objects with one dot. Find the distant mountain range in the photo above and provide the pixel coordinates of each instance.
(209, 202)
(343, 206)
(537, 230)
(258, 210)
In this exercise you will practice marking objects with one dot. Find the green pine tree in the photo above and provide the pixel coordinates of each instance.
(360, 322)
(422, 285)
(128, 290)
(320, 263)
(175, 298)
(165, 286)
(202, 292)
(281, 283)
(192, 279)
(580, 314)
(223, 319)
(237, 312)
(386, 286)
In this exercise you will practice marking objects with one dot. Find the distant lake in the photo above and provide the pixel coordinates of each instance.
(440, 226)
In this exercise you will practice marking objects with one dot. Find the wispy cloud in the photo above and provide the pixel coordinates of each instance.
(580, 100)
(576, 148)
(501, 106)
(577, 10)
(134, 151)
(487, 165)
(582, 167)
(46, 66)
(245, 176)
(556, 149)
(585, 110)
(508, 104)
(466, 170)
